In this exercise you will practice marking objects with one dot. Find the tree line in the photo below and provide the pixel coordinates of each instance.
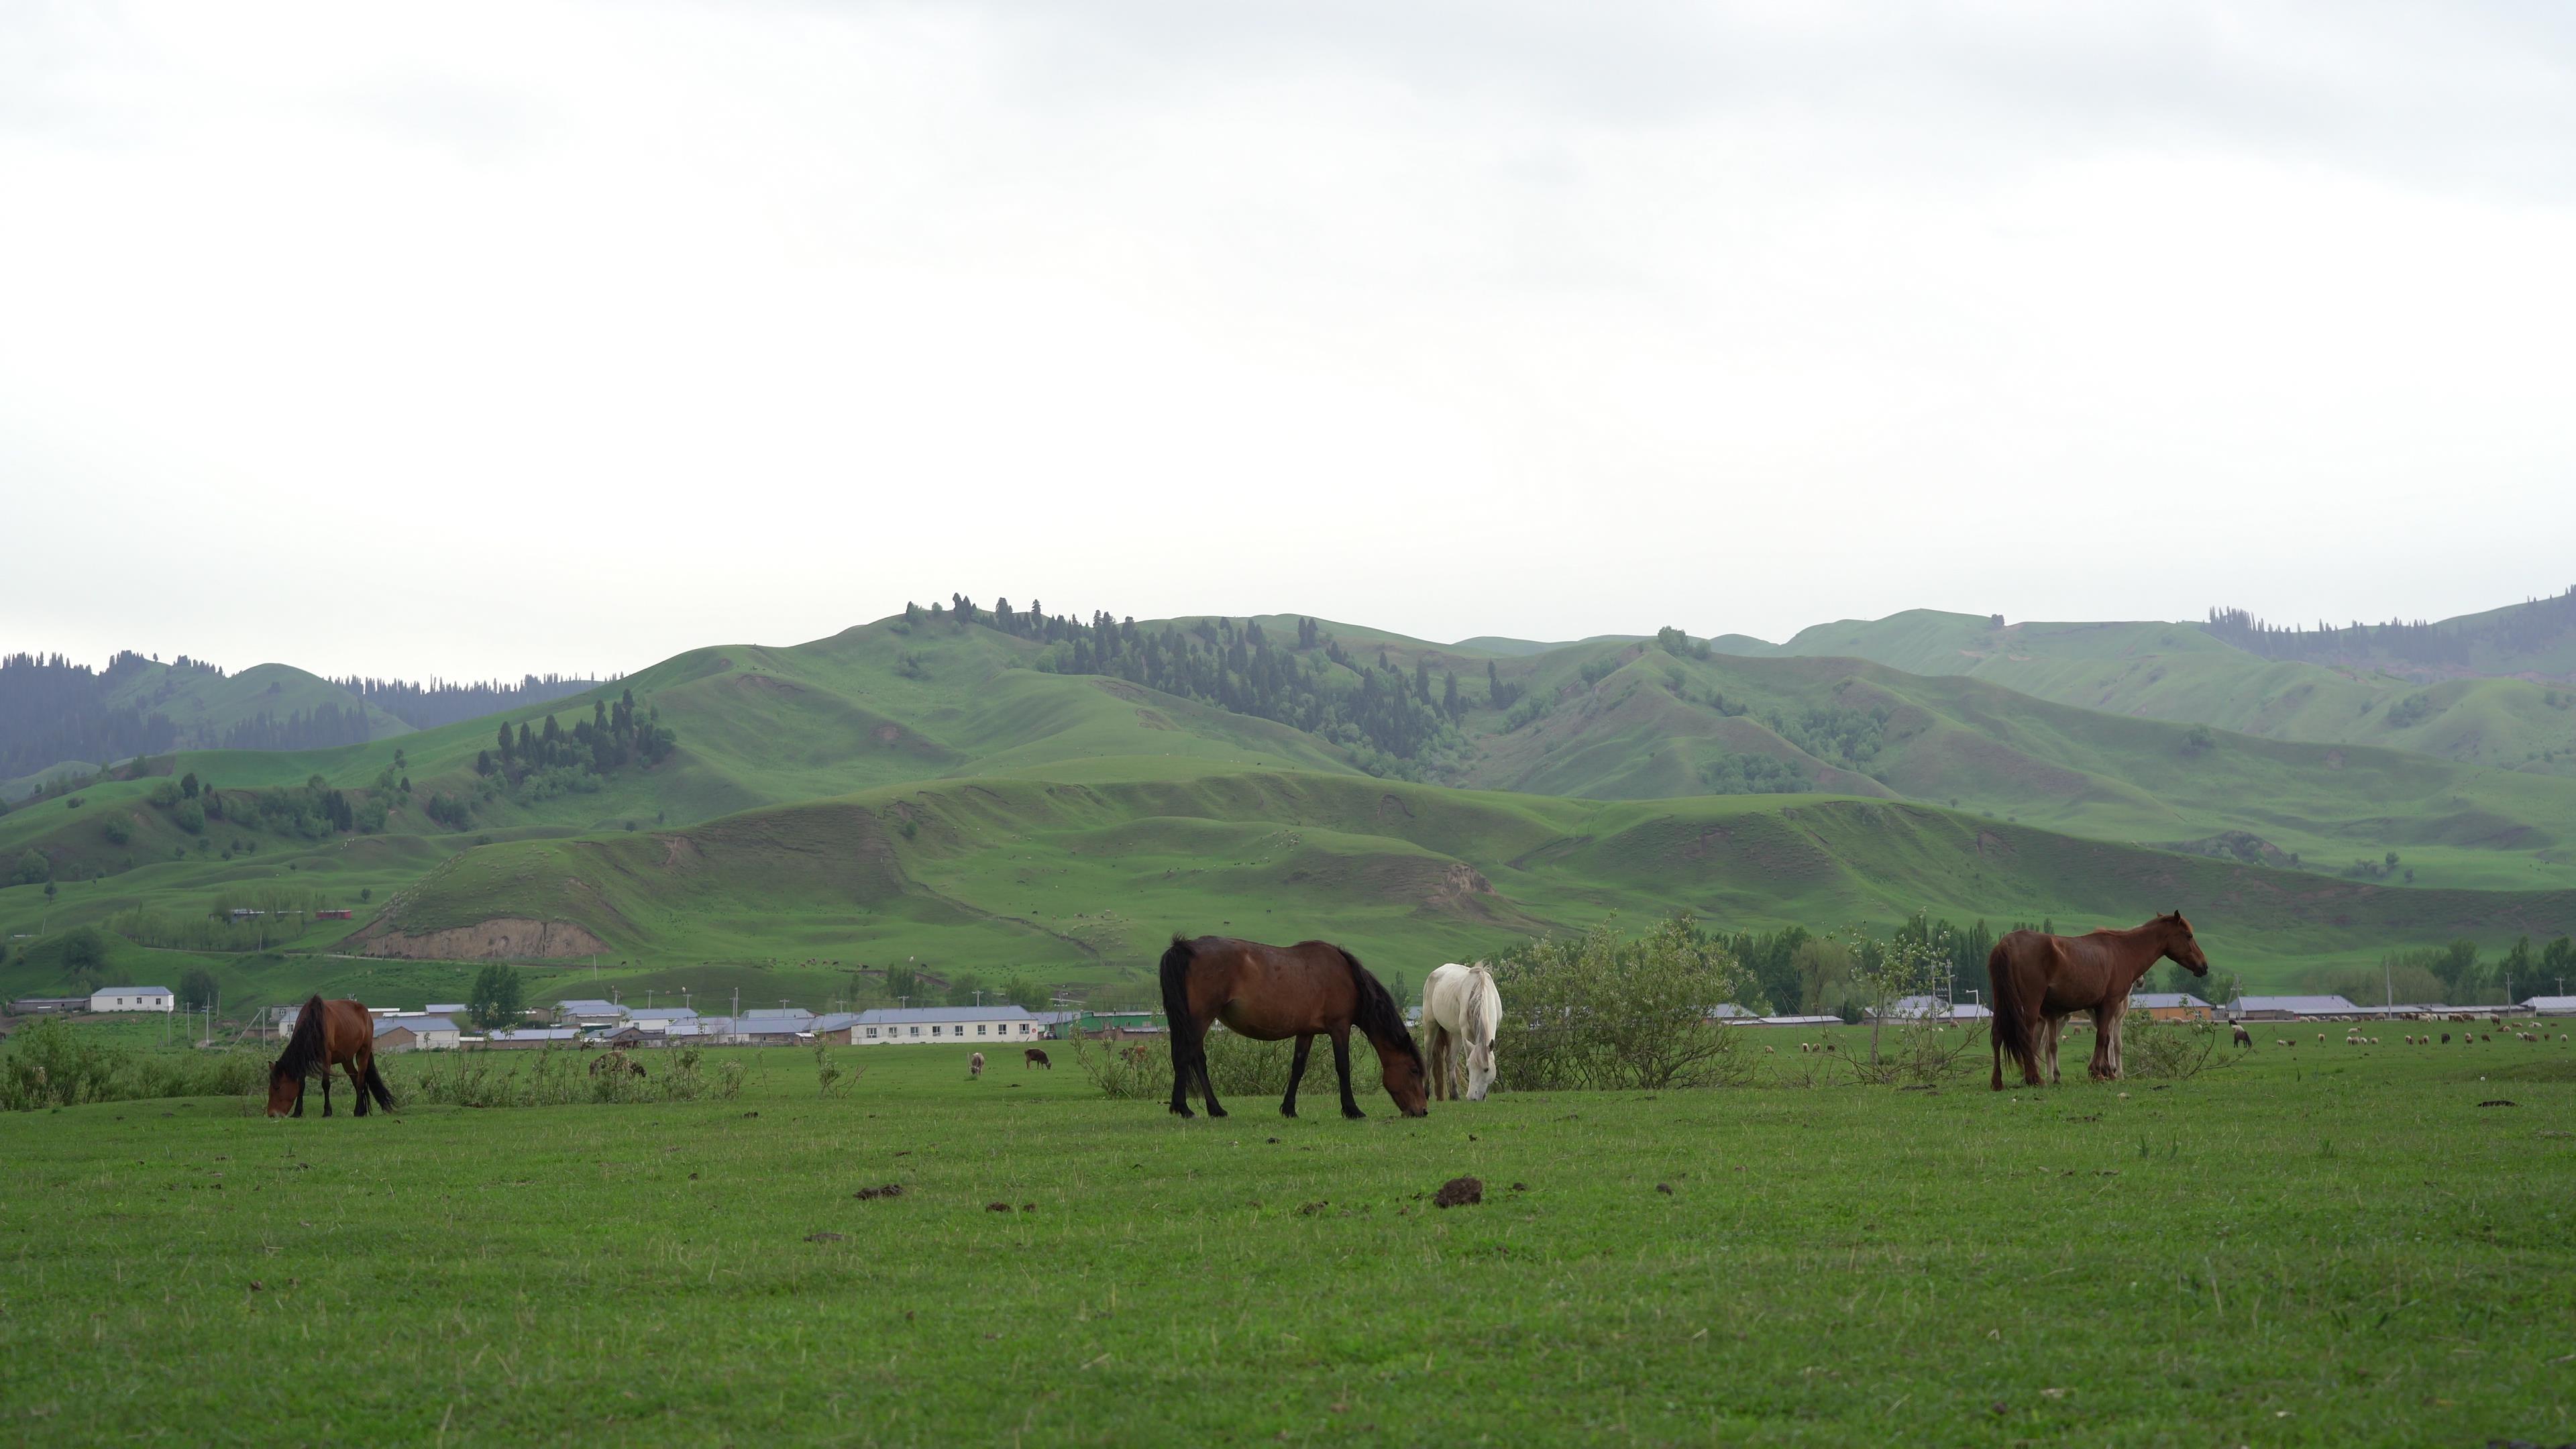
(1392, 719)
(538, 760)
(445, 701)
(2535, 625)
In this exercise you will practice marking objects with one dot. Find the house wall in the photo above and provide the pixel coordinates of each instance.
(108, 1001)
(945, 1033)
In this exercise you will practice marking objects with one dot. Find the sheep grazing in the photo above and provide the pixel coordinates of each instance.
(975, 1065)
(2446, 1038)
(1770, 1051)
(2321, 1038)
(2276, 1041)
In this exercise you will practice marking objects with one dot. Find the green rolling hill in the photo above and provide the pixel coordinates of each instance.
(950, 794)
(2183, 672)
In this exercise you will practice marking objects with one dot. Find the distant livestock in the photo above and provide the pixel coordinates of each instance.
(2244, 1038)
(975, 1065)
(1032, 1057)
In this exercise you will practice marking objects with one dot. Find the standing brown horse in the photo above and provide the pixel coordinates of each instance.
(1270, 993)
(2039, 981)
(327, 1034)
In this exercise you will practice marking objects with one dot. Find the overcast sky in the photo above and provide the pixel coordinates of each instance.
(479, 339)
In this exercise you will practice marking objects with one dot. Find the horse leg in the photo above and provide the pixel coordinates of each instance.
(326, 1089)
(1207, 1088)
(1296, 1074)
(1342, 1065)
(1181, 1068)
(1436, 1052)
(2049, 1026)
(357, 1084)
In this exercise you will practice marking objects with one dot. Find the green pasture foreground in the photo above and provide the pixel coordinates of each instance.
(2331, 1245)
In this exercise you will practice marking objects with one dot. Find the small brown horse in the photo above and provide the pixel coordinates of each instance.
(2039, 981)
(1032, 1057)
(327, 1034)
(1270, 993)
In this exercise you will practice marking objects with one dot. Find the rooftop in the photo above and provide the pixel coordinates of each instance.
(2166, 1000)
(2296, 1005)
(131, 991)
(590, 1008)
(414, 1022)
(907, 1014)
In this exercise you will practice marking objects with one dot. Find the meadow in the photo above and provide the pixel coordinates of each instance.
(2322, 1245)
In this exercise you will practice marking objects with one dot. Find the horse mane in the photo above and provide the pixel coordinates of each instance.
(1480, 980)
(1376, 1013)
(305, 1051)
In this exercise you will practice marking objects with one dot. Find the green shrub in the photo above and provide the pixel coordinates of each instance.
(1607, 1012)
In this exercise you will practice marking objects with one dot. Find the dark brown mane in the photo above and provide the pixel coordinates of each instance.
(304, 1049)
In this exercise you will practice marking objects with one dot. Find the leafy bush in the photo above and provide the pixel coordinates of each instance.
(1607, 1012)
(2166, 1050)
(55, 1064)
(116, 830)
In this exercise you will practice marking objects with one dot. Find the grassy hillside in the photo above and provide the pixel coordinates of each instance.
(2180, 672)
(1080, 879)
(204, 705)
(1658, 725)
(935, 792)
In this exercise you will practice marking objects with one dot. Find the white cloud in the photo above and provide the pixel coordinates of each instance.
(565, 336)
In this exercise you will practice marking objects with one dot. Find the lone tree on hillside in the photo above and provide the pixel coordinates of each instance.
(198, 989)
(496, 999)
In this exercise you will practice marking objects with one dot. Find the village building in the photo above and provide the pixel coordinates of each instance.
(588, 1013)
(943, 1026)
(2551, 1005)
(417, 1031)
(2289, 1008)
(35, 1005)
(2170, 1006)
(133, 998)
(529, 1038)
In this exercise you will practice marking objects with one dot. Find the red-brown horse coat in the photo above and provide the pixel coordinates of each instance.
(1271, 993)
(2041, 980)
(327, 1034)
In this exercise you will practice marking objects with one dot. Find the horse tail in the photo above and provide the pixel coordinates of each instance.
(2012, 1026)
(1187, 1049)
(305, 1046)
(376, 1088)
(1375, 1011)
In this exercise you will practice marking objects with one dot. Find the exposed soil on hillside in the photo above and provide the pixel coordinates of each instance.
(495, 940)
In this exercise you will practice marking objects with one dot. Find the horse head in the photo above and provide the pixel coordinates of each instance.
(2181, 948)
(1407, 1082)
(285, 1089)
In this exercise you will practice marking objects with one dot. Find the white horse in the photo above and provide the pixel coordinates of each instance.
(1460, 1009)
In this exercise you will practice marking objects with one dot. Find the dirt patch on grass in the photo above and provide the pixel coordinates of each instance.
(496, 940)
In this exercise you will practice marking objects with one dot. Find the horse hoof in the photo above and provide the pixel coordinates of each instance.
(1353, 1113)
(1183, 1112)
(1216, 1111)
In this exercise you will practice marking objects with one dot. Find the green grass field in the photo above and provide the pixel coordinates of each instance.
(2321, 1246)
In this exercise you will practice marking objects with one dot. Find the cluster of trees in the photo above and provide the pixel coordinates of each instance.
(1834, 732)
(549, 758)
(2537, 625)
(52, 710)
(426, 706)
(2457, 974)
(1733, 774)
(311, 810)
(1390, 718)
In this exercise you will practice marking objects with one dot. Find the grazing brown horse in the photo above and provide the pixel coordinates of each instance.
(1270, 993)
(1032, 1057)
(2039, 981)
(327, 1034)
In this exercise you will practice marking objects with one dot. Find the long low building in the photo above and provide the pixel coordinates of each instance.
(417, 1031)
(943, 1026)
(2288, 1008)
(133, 998)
